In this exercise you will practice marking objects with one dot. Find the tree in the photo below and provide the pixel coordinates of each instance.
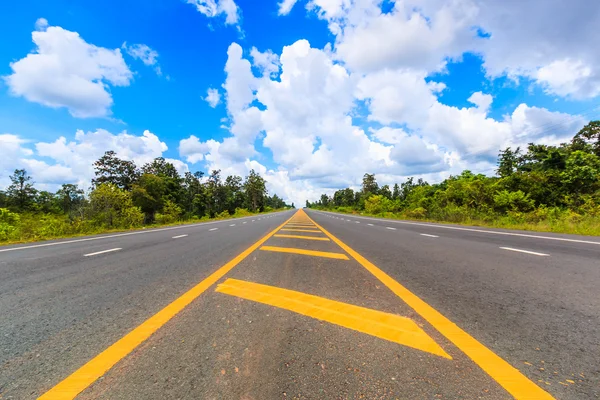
(148, 194)
(386, 192)
(111, 169)
(170, 176)
(233, 193)
(69, 196)
(21, 192)
(111, 207)
(324, 200)
(214, 194)
(192, 187)
(46, 202)
(508, 161)
(396, 192)
(369, 184)
(255, 189)
(588, 138)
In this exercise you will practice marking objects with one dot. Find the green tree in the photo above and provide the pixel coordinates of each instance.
(112, 207)
(369, 184)
(193, 187)
(46, 202)
(21, 192)
(588, 138)
(172, 180)
(256, 191)
(508, 161)
(69, 197)
(396, 192)
(233, 193)
(386, 192)
(148, 194)
(111, 169)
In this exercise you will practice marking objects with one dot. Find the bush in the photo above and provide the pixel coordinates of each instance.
(377, 204)
(223, 215)
(242, 212)
(513, 201)
(418, 213)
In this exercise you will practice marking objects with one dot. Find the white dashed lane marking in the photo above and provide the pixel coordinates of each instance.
(525, 251)
(102, 252)
(425, 234)
(178, 236)
(213, 229)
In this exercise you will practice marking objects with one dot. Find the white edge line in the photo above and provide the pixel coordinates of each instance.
(114, 236)
(101, 252)
(481, 231)
(178, 236)
(425, 234)
(525, 251)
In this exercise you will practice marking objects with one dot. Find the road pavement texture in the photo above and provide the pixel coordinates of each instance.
(302, 304)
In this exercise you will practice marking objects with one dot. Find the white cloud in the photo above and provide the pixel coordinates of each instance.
(41, 24)
(213, 98)
(213, 8)
(145, 54)
(285, 6)
(66, 71)
(549, 42)
(304, 115)
(267, 62)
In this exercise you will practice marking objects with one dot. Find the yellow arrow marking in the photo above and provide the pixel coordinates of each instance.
(291, 250)
(383, 325)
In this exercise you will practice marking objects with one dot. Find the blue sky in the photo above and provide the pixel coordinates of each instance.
(312, 96)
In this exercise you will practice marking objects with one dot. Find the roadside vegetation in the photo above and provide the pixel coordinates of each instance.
(543, 188)
(124, 196)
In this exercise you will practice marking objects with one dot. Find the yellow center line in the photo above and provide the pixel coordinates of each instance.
(313, 253)
(501, 371)
(299, 230)
(380, 324)
(79, 380)
(302, 237)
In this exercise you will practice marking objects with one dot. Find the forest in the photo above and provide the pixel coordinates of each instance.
(542, 187)
(125, 196)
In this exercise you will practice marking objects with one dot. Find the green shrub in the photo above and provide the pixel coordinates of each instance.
(417, 213)
(242, 212)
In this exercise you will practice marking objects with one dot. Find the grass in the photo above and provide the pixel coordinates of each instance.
(30, 234)
(577, 225)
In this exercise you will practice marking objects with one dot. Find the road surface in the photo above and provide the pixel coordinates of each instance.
(302, 305)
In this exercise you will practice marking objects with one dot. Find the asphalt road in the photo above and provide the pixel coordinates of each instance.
(252, 309)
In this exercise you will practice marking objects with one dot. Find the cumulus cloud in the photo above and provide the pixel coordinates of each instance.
(213, 97)
(304, 113)
(66, 71)
(213, 8)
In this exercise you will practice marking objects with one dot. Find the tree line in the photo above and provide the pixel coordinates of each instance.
(124, 195)
(555, 186)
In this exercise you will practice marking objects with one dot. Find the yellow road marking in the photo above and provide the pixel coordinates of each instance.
(501, 371)
(291, 250)
(302, 237)
(298, 224)
(300, 230)
(79, 380)
(383, 325)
